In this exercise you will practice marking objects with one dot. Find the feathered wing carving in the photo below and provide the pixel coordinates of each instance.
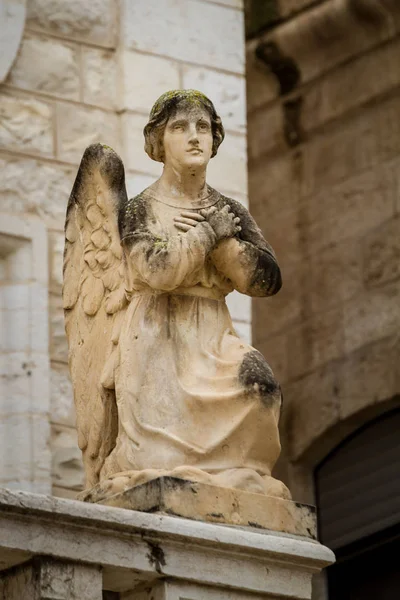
(94, 300)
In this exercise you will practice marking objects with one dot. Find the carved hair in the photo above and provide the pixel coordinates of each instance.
(166, 107)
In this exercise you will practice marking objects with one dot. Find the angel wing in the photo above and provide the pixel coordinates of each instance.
(94, 300)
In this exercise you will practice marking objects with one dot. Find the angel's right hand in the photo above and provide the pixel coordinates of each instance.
(187, 220)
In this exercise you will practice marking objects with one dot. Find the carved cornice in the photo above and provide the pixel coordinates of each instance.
(12, 24)
(317, 40)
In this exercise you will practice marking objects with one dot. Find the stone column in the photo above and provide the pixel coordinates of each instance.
(47, 579)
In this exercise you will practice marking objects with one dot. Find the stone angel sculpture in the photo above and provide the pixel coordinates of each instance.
(163, 384)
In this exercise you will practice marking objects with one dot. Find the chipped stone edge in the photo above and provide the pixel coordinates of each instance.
(282, 548)
(300, 38)
(169, 495)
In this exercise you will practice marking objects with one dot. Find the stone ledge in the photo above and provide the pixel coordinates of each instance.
(204, 502)
(129, 546)
(293, 50)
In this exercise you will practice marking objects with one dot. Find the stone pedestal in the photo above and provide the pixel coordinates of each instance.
(203, 502)
(70, 550)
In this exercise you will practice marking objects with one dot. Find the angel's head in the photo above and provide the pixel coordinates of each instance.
(184, 127)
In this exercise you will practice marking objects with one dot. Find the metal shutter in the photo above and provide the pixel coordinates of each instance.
(358, 485)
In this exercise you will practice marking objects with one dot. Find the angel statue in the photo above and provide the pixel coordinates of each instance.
(163, 384)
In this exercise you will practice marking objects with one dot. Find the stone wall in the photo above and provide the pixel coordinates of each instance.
(88, 72)
(324, 163)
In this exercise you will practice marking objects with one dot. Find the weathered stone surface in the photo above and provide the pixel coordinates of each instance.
(274, 348)
(371, 316)
(338, 155)
(133, 141)
(227, 92)
(67, 468)
(274, 184)
(190, 36)
(203, 502)
(317, 408)
(266, 131)
(375, 73)
(24, 344)
(228, 170)
(353, 30)
(262, 85)
(66, 581)
(100, 81)
(370, 376)
(15, 465)
(95, 22)
(141, 91)
(279, 312)
(26, 125)
(342, 184)
(30, 186)
(61, 398)
(11, 30)
(18, 583)
(56, 251)
(58, 340)
(286, 7)
(26, 467)
(284, 231)
(77, 127)
(381, 250)
(40, 452)
(23, 381)
(351, 208)
(61, 492)
(47, 65)
(316, 341)
(48, 579)
(311, 407)
(232, 3)
(204, 561)
(16, 329)
(39, 327)
(335, 275)
(168, 589)
(15, 372)
(210, 325)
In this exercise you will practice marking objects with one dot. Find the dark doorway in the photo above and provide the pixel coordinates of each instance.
(358, 500)
(368, 570)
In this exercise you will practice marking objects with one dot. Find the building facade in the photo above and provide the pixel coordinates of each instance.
(324, 163)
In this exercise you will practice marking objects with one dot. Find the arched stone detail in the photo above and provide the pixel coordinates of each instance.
(12, 23)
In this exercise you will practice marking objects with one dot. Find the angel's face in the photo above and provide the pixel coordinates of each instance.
(188, 139)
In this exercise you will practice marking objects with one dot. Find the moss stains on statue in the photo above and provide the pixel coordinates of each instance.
(166, 107)
(163, 384)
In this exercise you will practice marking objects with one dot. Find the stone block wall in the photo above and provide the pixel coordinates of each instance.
(25, 460)
(324, 163)
(89, 72)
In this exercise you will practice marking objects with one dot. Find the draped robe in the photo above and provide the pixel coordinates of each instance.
(194, 400)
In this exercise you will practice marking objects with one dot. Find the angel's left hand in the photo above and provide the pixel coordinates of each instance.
(187, 220)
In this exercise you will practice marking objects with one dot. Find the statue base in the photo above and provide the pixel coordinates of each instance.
(204, 502)
(70, 550)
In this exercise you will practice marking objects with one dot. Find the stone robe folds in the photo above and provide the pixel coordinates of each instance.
(194, 400)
